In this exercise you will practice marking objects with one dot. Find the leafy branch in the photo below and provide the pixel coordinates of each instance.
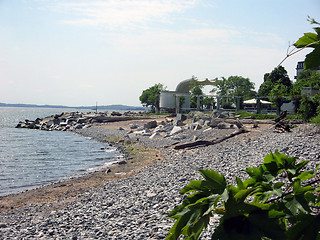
(276, 202)
(312, 40)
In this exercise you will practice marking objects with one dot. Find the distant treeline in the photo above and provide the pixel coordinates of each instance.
(108, 107)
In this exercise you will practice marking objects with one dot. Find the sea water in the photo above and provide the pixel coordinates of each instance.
(32, 158)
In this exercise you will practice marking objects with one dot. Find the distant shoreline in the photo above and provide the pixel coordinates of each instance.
(107, 107)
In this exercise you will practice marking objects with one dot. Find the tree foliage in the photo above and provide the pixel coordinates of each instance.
(195, 91)
(278, 201)
(151, 96)
(277, 83)
(234, 86)
(306, 78)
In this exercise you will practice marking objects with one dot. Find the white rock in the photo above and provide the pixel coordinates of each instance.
(176, 130)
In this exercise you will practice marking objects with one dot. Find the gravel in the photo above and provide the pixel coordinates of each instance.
(136, 207)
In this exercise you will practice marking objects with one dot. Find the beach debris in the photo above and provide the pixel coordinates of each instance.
(282, 125)
(202, 143)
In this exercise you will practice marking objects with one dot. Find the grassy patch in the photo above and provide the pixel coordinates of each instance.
(244, 114)
(130, 150)
(316, 120)
(113, 139)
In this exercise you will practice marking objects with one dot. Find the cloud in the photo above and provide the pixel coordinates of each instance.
(122, 13)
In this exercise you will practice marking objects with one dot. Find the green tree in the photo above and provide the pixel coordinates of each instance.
(277, 80)
(234, 86)
(276, 84)
(306, 78)
(151, 97)
(307, 108)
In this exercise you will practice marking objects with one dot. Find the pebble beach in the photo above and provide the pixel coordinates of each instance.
(136, 206)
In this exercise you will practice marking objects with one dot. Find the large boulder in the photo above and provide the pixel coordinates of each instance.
(116, 114)
(151, 124)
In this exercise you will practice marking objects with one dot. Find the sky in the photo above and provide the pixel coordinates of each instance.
(77, 53)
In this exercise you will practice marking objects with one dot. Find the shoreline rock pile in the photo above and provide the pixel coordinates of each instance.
(73, 120)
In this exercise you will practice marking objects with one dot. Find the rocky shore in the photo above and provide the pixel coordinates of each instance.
(136, 207)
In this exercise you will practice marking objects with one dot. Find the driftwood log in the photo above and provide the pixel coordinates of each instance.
(281, 125)
(203, 143)
(281, 116)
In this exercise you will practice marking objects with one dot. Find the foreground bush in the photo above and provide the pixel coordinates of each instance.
(278, 201)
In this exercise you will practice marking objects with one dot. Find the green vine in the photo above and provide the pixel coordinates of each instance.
(280, 200)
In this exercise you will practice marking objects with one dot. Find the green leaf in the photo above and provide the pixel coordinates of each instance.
(182, 220)
(249, 183)
(291, 204)
(306, 39)
(193, 198)
(255, 173)
(243, 194)
(305, 175)
(276, 214)
(298, 189)
(216, 180)
(270, 162)
(312, 59)
(239, 183)
(296, 203)
(198, 185)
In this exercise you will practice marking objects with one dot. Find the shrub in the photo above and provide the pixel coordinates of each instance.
(307, 108)
(316, 119)
(278, 201)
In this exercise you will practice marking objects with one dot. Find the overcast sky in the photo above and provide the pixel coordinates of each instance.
(74, 53)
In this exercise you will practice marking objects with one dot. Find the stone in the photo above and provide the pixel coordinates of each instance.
(177, 123)
(63, 124)
(116, 114)
(122, 162)
(223, 125)
(176, 130)
(151, 124)
(3, 225)
(81, 120)
(223, 115)
(133, 126)
(181, 117)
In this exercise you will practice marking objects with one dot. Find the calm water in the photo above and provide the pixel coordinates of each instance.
(31, 158)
